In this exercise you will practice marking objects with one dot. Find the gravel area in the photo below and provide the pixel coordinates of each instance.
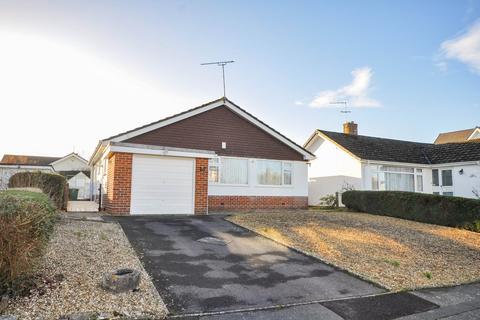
(397, 254)
(77, 256)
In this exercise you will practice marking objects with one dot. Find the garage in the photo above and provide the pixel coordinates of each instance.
(162, 185)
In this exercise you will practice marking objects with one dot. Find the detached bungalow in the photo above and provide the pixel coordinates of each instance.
(211, 158)
(348, 160)
(72, 166)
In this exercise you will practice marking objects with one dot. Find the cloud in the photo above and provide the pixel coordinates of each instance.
(356, 92)
(465, 48)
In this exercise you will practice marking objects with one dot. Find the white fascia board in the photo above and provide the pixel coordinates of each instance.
(418, 165)
(167, 122)
(477, 130)
(99, 153)
(214, 105)
(68, 156)
(259, 124)
(173, 152)
(22, 166)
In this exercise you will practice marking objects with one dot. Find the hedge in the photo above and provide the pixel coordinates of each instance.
(435, 209)
(54, 185)
(26, 223)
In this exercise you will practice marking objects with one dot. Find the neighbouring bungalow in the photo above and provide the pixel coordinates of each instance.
(450, 166)
(72, 166)
(213, 157)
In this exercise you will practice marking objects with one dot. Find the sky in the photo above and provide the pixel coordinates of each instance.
(75, 72)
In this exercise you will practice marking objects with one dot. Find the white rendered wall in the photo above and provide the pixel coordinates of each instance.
(332, 171)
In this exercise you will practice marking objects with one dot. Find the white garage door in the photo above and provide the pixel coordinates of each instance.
(162, 185)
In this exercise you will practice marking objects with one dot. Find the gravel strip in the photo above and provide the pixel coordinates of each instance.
(77, 256)
(397, 254)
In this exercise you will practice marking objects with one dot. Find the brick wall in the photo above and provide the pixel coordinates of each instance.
(221, 203)
(119, 183)
(201, 186)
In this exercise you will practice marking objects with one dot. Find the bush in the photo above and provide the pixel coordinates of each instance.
(54, 185)
(26, 223)
(435, 209)
(329, 201)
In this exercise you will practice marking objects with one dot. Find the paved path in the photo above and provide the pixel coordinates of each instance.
(82, 206)
(231, 269)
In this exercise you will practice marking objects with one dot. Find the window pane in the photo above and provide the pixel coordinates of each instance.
(397, 169)
(375, 182)
(450, 194)
(287, 173)
(447, 178)
(234, 171)
(399, 182)
(269, 172)
(435, 177)
(419, 183)
(213, 170)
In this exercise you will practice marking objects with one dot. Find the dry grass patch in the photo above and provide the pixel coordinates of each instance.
(395, 253)
(77, 256)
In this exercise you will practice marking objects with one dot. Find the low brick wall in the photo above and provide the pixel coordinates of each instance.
(223, 203)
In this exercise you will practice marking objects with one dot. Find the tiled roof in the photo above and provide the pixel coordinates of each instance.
(380, 149)
(454, 136)
(28, 160)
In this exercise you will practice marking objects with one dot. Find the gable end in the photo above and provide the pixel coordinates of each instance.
(207, 131)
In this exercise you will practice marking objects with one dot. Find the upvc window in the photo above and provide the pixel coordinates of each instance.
(213, 170)
(447, 180)
(435, 180)
(228, 170)
(399, 178)
(419, 180)
(273, 172)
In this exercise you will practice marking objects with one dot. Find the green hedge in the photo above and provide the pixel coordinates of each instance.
(435, 209)
(54, 185)
(26, 223)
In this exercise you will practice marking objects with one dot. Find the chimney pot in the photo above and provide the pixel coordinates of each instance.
(350, 128)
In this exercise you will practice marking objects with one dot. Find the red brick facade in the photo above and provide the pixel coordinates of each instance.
(201, 186)
(222, 203)
(119, 177)
(119, 183)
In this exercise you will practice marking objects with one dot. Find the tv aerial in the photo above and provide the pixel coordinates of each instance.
(220, 64)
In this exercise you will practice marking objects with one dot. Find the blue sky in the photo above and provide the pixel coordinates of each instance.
(409, 69)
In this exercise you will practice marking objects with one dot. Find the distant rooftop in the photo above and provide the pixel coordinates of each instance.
(28, 160)
(381, 149)
(455, 136)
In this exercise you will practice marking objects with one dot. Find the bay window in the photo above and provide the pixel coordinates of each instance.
(272, 172)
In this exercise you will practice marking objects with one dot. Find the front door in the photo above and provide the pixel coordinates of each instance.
(442, 181)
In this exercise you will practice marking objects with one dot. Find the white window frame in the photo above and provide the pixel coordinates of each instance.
(219, 168)
(283, 185)
(381, 176)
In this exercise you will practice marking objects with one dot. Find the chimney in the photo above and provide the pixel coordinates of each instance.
(350, 128)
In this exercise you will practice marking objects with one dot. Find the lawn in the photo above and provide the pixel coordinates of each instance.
(395, 253)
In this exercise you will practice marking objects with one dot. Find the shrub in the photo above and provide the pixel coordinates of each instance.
(330, 201)
(26, 223)
(54, 185)
(435, 209)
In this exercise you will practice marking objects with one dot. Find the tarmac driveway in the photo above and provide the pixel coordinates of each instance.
(207, 264)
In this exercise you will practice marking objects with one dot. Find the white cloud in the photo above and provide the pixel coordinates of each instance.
(465, 48)
(356, 92)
